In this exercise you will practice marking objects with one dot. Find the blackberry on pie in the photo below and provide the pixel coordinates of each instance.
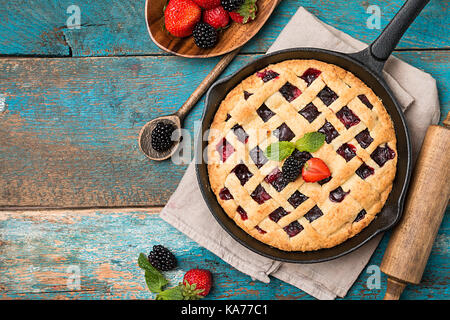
(292, 168)
(267, 196)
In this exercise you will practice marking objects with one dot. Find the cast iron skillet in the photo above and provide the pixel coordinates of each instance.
(366, 65)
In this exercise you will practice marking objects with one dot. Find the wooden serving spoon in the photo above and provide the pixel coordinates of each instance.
(230, 39)
(177, 118)
(230, 43)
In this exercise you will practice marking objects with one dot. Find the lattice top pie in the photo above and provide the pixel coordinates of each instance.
(281, 103)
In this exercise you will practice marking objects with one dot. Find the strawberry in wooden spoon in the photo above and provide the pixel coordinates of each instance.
(180, 17)
(245, 13)
(315, 170)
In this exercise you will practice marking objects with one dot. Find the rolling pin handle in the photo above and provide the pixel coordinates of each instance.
(394, 289)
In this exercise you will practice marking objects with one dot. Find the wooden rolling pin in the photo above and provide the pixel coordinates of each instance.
(410, 244)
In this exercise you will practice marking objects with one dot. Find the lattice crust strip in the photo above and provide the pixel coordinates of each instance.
(281, 103)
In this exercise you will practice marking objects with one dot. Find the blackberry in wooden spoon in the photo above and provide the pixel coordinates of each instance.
(205, 36)
(231, 5)
(162, 136)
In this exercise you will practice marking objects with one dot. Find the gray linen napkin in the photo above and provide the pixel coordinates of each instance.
(186, 210)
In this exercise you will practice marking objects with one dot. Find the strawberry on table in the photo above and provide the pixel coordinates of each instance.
(208, 4)
(216, 17)
(315, 170)
(180, 17)
(197, 284)
(245, 13)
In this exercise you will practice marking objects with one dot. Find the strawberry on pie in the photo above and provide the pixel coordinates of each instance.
(302, 155)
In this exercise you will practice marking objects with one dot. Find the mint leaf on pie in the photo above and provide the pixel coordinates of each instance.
(310, 142)
(279, 150)
(154, 279)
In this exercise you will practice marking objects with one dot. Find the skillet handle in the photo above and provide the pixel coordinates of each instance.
(375, 56)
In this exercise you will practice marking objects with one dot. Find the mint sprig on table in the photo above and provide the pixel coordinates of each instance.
(156, 281)
(310, 142)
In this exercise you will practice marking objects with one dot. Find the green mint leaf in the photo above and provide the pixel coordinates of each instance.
(154, 279)
(175, 293)
(143, 263)
(279, 150)
(310, 142)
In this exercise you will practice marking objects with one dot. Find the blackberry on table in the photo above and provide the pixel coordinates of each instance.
(231, 5)
(161, 258)
(162, 136)
(205, 36)
(292, 167)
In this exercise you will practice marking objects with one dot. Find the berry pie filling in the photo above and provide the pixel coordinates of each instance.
(267, 75)
(293, 229)
(338, 194)
(240, 133)
(347, 151)
(284, 133)
(242, 212)
(272, 176)
(313, 214)
(323, 181)
(366, 101)
(290, 92)
(224, 149)
(284, 170)
(364, 139)
(225, 194)
(247, 94)
(381, 155)
(265, 113)
(310, 75)
(329, 131)
(260, 230)
(297, 199)
(310, 112)
(242, 173)
(364, 171)
(360, 215)
(327, 96)
(278, 214)
(347, 117)
(276, 179)
(260, 195)
(258, 157)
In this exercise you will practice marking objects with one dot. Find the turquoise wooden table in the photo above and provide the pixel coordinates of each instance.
(76, 194)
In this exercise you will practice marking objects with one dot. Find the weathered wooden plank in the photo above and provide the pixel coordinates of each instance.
(40, 251)
(110, 28)
(68, 134)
